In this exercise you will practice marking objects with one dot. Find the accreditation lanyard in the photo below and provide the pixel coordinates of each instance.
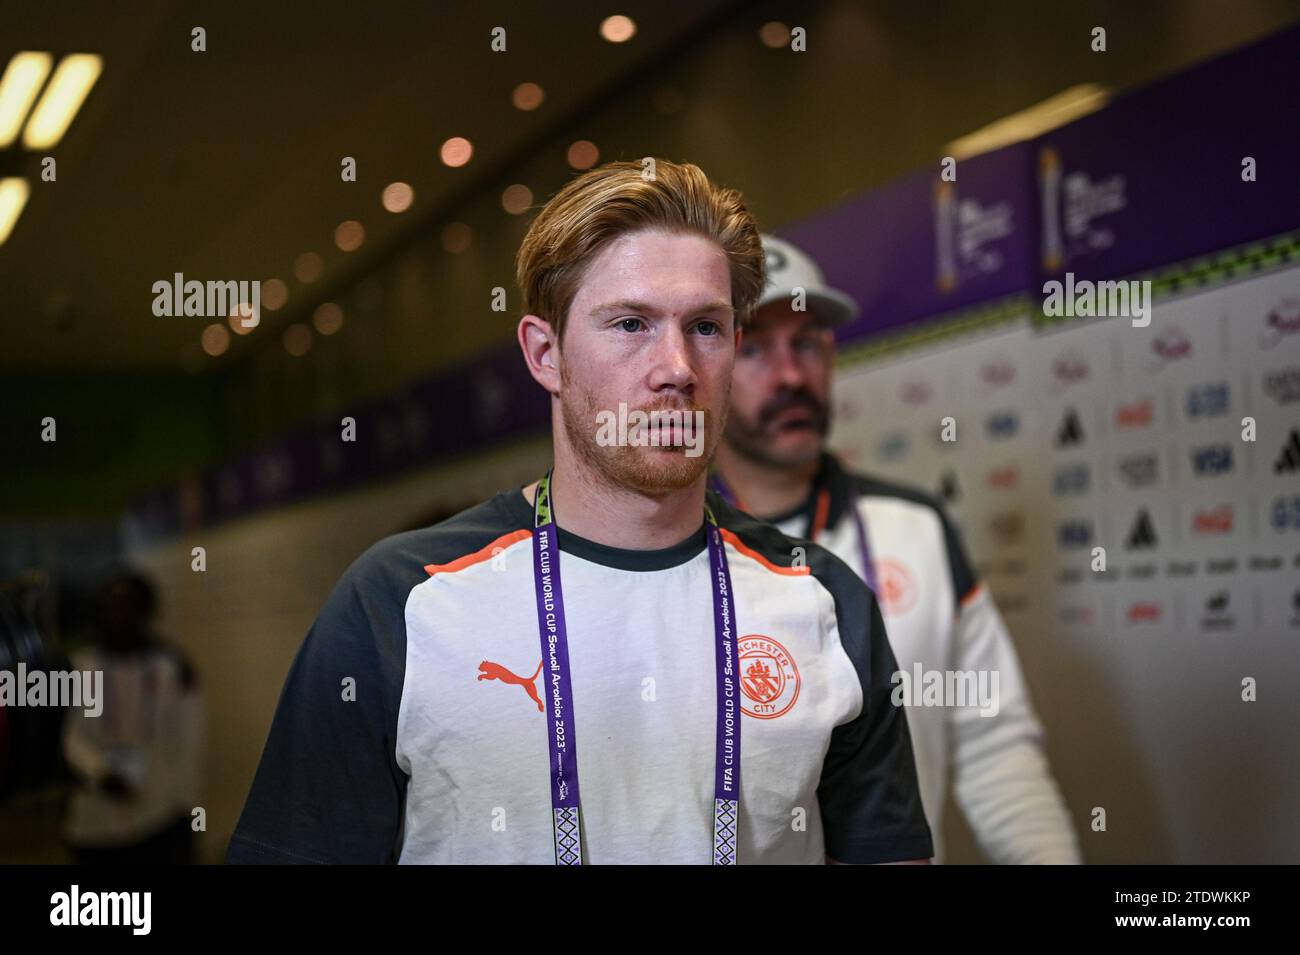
(561, 732)
(818, 523)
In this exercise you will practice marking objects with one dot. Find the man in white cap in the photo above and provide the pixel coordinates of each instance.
(773, 463)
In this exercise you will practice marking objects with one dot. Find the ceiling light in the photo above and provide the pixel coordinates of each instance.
(69, 86)
(307, 267)
(18, 88)
(516, 199)
(456, 151)
(398, 197)
(349, 235)
(583, 154)
(13, 196)
(618, 28)
(1055, 111)
(527, 96)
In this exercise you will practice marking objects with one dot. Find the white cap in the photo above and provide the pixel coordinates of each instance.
(788, 268)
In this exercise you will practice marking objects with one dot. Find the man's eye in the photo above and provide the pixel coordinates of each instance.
(810, 344)
(630, 324)
(708, 328)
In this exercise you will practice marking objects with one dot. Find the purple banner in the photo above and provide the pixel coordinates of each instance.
(922, 246)
(1159, 176)
(467, 408)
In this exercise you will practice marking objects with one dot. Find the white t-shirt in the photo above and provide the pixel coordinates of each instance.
(150, 732)
(443, 754)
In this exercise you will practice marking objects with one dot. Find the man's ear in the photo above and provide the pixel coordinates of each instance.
(541, 351)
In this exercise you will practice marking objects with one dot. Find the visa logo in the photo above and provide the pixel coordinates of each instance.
(1285, 513)
(1002, 424)
(1207, 401)
(1072, 479)
(1074, 534)
(1212, 459)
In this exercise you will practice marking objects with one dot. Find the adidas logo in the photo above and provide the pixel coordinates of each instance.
(1071, 432)
(1289, 461)
(1143, 534)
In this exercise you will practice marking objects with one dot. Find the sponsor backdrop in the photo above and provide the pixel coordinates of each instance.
(1085, 432)
(1073, 433)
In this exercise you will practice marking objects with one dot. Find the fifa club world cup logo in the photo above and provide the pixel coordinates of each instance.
(945, 235)
(1049, 182)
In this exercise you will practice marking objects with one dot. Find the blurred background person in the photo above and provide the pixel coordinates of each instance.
(137, 762)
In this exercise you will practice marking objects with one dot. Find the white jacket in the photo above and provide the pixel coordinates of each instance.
(939, 615)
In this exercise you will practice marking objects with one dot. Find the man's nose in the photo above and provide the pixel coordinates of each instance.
(787, 370)
(672, 364)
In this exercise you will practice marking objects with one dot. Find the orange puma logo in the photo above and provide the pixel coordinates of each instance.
(495, 671)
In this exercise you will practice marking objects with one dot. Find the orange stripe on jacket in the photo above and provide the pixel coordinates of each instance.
(734, 541)
(972, 594)
(486, 553)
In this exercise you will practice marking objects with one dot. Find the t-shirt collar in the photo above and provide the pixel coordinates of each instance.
(619, 558)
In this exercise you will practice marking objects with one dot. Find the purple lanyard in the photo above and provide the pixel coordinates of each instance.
(561, 736)
(864, 547)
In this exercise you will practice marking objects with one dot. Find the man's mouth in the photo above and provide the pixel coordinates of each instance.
(793, 419)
